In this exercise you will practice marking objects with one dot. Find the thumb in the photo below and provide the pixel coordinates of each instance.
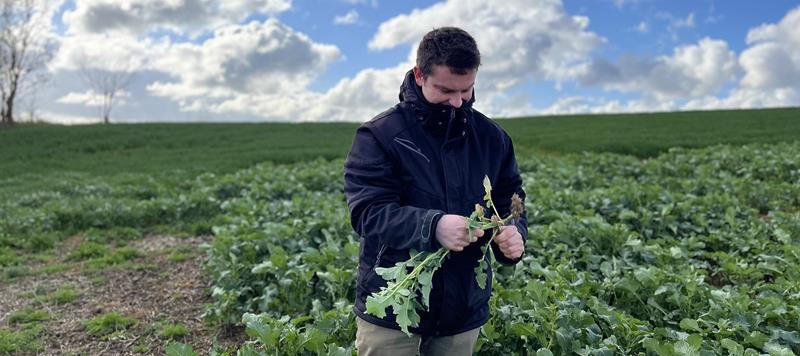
(477, 232)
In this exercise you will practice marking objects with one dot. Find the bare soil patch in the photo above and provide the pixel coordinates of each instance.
(154, 289)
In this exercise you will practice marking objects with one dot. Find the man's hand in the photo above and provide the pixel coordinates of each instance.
(510, 242)
(451, 232)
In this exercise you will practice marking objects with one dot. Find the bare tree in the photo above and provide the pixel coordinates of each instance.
(105, 85)
(24, 51)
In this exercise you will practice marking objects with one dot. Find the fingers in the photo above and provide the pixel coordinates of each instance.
(510, 242)
(505, 234)
(514, 253)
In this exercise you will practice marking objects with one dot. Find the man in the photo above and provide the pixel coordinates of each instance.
(412, 175)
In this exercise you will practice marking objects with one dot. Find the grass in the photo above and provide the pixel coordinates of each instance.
(54, 268)
(63, 295)
(647, 135)
(88, 250)
(119, 257)
(155, 148)
(28, 316)
(173, 331)
(181, 254)
(185, 150)
(108, 323)
(19, 342)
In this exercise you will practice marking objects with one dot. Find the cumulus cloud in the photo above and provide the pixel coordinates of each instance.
(520, 40)
(691, 71)
(242, 61)
(771, 66)
(349, 18)
(599, 105)
(748, 98)
(109, 51)
(773, 58)
(263, 70)
(92, 98)
(518, 43)
(180, 16)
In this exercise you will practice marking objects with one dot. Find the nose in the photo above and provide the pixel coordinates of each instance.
(456, 101)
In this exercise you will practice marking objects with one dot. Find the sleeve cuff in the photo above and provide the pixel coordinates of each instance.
(427, 238)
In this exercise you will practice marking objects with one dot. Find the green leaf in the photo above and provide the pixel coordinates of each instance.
(523, 329)
(757, 339)
(314, 340)
(405, 315)
(733, 347)
(778, 350)
(684, 349)
(544, 352)
(390, 273)
(783, 236)
(425, 280)
(480, 274)
(179, 349)
(690, 325)
(338, 351)
(257, 328)
(376, 305)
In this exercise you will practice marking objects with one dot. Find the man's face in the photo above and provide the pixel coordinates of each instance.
(445, 87)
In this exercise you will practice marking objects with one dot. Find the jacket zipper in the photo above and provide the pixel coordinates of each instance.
(437, 328)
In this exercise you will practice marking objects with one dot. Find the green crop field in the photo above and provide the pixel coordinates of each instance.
(656, 234)
(200, 148)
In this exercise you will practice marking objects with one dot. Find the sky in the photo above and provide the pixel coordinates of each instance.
(344, 60)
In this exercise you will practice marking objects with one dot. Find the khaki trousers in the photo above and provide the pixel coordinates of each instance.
(374, 340)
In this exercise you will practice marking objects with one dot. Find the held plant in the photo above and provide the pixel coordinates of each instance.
(403, 286)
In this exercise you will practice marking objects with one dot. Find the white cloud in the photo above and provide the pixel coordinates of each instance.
(675, 24)
(773, 58)
(258, 60)
(110, 51)
(520, 41)
(66, 119)
(263, 70)
(771, 67)
(88, 98)
(740, 98)
(180, 16)
(594, 105)
(642, 27)
(691, 71)
(541, 42)
(688, 22)
(349, 18)
(621, 3)
(373, 3)
(91, 98)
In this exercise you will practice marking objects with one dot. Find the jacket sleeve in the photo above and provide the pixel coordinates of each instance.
(372, 188)
(509, 182)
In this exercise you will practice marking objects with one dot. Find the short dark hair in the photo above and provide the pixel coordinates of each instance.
(450, 46)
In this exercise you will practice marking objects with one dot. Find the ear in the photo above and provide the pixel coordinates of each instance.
(418, 76)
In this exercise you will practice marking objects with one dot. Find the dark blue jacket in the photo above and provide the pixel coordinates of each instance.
(407, 167)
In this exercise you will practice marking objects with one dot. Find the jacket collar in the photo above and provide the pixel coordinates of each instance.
(434, 117)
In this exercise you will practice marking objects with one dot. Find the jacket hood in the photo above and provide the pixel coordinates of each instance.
(430, 114)
(411, 93)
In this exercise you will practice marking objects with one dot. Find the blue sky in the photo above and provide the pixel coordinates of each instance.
(342, 60)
